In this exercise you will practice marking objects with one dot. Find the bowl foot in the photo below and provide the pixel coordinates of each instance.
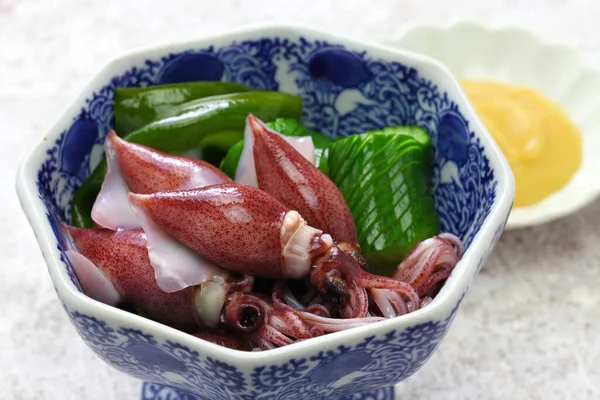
(154, 391)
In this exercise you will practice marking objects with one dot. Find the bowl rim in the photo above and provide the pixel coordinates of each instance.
(521, 217)
(440, 308)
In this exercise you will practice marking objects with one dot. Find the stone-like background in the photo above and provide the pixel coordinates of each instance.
(529, 328)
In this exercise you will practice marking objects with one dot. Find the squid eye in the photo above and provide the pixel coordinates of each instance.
(336, 300)
(336, 286)
(249, 318)
(336, 289)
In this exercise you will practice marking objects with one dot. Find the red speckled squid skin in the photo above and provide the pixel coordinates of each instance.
(236, 226)
(123, 257)
(289, 177)
(146, 170)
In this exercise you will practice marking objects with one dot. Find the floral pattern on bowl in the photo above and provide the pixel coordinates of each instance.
(347, 87)
(153, 391)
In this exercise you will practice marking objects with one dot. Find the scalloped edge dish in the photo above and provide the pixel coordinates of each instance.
(555, 70)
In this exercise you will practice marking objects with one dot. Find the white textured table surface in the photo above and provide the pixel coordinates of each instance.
(530, 327)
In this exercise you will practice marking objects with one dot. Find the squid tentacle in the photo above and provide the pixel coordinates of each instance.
(427, 257)
(340, 276)
(282, 290)
(276, 337)
(264, 321)
(426, 301)
(454, 241)
(336, 324)
(318, 309)
(389, 303)
(432, 281)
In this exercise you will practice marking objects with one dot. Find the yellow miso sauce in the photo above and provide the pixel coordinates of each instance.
(542, 145)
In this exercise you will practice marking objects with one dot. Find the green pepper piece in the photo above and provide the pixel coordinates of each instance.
(185, 127)
(84, 197)
(386, 179)
(222, 140)
(291, 127)
(232, 159)
(214, 147)
(323, 161)
(188, 123)
(286, 127)
(137, 107)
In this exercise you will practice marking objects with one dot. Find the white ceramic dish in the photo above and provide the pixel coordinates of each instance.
(345, 78)
(517, 56)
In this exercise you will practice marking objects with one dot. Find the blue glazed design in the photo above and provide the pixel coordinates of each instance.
(154, 391)
(340, 67)
(79, 141)
(344, 92)
(192, 67)
(344, 372)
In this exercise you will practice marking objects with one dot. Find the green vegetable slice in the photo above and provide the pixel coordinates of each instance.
(385, 177)
(214, 147)
(185, 127)
(187, 124)
(232, 158)
(137, 107)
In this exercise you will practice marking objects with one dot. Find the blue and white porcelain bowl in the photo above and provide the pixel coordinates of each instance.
(347, 87)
